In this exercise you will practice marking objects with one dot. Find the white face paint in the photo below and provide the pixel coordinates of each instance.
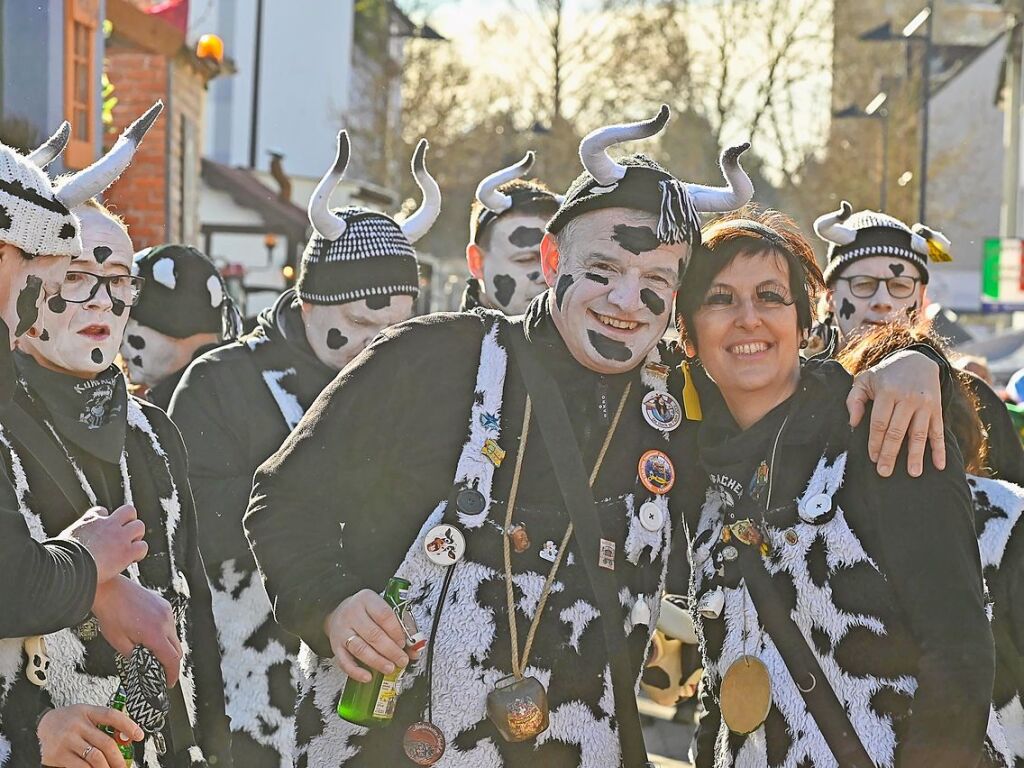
(614, 288)
(853, 313)
(83, 339)
(151, 356)
(339, 332)
(29, 282)
(512, 275)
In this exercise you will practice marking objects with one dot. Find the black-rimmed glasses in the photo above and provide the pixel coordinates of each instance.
(80, 287)
(866, 286)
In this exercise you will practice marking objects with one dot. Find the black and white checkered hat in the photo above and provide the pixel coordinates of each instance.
(355, 253)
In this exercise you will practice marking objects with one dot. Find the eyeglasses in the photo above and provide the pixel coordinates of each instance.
(866, 286)
(80, 287)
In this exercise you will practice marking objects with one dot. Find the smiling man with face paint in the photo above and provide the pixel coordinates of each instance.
(506, 227)
(237, 404)
(877, 273)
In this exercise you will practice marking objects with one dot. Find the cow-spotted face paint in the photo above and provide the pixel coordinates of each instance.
(854, 315)
(85, 338)
(151, 356)
(510, 269)
(339, 332)
(31, 282)
(612, 308)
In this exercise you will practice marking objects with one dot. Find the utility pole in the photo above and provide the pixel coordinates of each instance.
(1011, 125)
(254, 116)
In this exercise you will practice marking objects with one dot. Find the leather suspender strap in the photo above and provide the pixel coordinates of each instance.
(828, 712)
(563, 451)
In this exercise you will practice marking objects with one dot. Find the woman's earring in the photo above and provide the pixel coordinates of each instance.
(804, 342)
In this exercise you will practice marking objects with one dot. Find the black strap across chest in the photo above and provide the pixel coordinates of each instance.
(563, 451)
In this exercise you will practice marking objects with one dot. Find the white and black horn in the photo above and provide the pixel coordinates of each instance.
(595, 145)
(328, 224)
(920, 235)
(487, 190)
(422, 219)
(49, 150)
(830, 226)
(89, 182)
(738, 193)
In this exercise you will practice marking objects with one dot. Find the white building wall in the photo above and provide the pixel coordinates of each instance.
(305, 75)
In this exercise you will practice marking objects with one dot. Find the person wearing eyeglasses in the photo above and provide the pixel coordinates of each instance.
(877, 273)
(95, 443)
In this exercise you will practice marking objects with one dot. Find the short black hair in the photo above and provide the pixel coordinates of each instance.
(530, 197)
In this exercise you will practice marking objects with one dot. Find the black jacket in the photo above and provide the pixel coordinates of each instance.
(160, 395)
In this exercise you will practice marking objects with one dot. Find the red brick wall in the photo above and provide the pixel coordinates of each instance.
(140, 195)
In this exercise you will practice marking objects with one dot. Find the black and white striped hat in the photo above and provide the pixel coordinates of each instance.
(355, 253)
(854, 236)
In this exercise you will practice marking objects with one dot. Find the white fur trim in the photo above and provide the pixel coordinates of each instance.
(291, 410)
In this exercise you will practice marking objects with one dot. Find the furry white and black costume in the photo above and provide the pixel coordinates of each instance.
(847, 551)
(235, 406)
(150, 474)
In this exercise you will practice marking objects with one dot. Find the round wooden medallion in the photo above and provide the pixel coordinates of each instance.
(746, 695)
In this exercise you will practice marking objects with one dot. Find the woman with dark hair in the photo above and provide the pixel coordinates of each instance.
(840, 613)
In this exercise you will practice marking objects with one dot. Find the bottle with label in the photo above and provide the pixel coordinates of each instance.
(124, 744)
(373, 703)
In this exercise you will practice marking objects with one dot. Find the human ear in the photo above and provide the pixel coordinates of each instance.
(549, 258)
(475, 260)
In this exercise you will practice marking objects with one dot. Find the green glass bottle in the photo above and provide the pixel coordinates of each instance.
(373, 703)
(125, 747)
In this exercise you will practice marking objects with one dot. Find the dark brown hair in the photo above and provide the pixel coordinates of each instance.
(961, 415)
(542, 206)
(750, 232)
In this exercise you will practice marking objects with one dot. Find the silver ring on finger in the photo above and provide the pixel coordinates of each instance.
(349, 640)
(87, 751)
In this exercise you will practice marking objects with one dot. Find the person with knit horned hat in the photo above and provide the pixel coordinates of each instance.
(77, 573)
(877, 273)
(237, 404)
(506, 226)
(184, 312)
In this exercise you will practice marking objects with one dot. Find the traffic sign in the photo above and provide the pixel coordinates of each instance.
(1002, 276)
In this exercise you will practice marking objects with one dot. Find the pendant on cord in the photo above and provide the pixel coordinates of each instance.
(745, 697)
(423, 743)
(518, 708)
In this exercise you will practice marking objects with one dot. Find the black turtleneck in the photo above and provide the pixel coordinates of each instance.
(57, 577)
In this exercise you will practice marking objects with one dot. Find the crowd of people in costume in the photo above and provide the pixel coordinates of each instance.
(655, 419)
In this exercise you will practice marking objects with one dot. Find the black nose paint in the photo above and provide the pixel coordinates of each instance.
(652, 301)
(610, 349)
(137, 361)
(66, 232)
(57, 305)
(44, 336)
(847, 309)
(5, 218)
(28, 297)
(336, 339)
(636, 240)
(896, 269)
(601, 279)
(563, 285)
(504, 288)
(136, 342)
(378, 302)
(533, 277)
(101, 253)
(526, 237)
(97, 356)
(118, 308)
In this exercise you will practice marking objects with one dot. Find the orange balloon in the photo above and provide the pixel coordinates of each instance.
(210, 47)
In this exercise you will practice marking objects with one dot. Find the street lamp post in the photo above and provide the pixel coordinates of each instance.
(909, 34)
(875, 110)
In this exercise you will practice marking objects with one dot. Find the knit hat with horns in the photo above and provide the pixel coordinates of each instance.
(35, 216)
(854, 236)
(355, 253)
(639, 183)
(506, 190)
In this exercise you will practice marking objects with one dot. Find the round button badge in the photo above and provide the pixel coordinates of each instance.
(656, 472)
(651, 516)
(662, 411)
(444, 545)
(819, 504)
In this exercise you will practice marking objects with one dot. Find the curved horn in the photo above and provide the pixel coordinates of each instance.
(921, 237)
(327, 224)
(420, 222)
(89, 182)
(594, 147)
(47, 152)
(487, 190)
(729, 198)
(831, 229)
